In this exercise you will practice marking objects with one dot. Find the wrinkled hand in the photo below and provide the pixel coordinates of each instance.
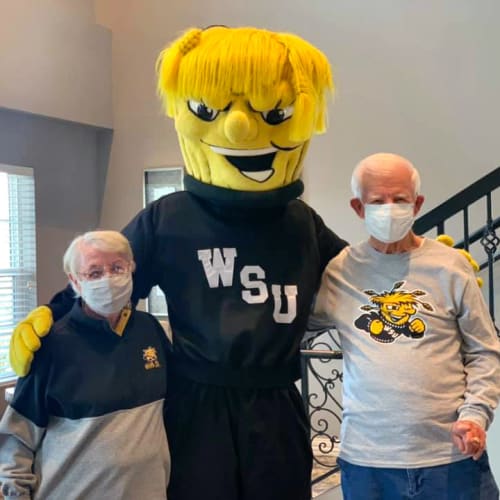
(448, 241)
(25, 339)
(469, 438)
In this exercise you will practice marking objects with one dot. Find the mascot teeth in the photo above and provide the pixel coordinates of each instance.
(259, 176)
(243, 152)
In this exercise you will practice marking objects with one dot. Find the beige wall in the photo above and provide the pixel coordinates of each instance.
(55, 76)
(69, 162)
(412, 78)
(55, 61)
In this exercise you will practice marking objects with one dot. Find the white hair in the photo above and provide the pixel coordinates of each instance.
(378, 159)
(107, 241)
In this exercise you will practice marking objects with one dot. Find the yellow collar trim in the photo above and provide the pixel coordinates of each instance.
(122, 322)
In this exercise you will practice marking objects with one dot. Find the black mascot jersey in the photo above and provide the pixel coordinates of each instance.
(239, 271)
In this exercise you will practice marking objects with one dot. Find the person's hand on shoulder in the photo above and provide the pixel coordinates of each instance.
(448, 241)
(25, 339)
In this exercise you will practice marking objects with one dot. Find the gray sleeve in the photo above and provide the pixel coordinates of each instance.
(481, 357)
(19, 439)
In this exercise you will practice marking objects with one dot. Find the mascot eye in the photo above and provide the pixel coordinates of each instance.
(202, 111)
(277, 115)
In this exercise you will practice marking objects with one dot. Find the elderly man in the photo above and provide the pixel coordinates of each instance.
(87, 422)
(421, 358)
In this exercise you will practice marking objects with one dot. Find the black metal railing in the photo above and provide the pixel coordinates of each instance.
(321, 388)
(322, 357)
(444, 216)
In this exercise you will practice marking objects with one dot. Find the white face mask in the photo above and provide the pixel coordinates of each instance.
(107, 295)
(389, 222)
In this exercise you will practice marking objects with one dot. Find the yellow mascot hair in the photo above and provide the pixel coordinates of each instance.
(211, 65)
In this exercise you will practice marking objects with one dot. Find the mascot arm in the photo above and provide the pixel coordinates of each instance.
(62, 302)
(448, 241)
(25, 339)
(329, 243)
(140, 232)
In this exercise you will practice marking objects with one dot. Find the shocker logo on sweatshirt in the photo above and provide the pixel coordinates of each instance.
(151, 357)
(391, 314)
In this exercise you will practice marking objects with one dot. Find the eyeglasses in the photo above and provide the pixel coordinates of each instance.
(96, 273)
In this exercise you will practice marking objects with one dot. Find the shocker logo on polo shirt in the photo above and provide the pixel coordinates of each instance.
(392, 314)
(151, 357)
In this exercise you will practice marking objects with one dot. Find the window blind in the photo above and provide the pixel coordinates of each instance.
(17, 254)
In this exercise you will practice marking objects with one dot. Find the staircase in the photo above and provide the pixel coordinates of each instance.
(454, 216)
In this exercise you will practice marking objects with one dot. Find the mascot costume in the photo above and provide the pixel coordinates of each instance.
(239, 258)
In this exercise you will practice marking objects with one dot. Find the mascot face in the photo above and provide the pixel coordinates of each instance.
(239, 146)
(245, 103)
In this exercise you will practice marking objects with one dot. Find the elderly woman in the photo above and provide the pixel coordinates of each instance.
(87, 422)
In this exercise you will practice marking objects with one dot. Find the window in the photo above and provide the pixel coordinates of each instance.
(17, 254)
(158, 183)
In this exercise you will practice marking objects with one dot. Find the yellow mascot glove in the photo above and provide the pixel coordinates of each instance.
(448, 240)
(25, 339)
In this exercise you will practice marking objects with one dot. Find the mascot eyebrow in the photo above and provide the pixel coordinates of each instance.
(290, 71)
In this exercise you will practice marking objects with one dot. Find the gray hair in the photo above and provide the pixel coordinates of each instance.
(107, 241)
(377, 159)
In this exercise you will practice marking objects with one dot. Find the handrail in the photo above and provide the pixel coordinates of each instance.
(458, 202)
(479, 233)
(321, 353)
(486, 235)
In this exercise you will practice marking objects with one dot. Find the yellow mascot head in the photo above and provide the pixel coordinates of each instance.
(245, 102)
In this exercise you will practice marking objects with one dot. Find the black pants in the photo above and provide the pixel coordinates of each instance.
(231, 443)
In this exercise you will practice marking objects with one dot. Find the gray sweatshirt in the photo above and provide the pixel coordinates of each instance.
(420, 351)
(87, 421)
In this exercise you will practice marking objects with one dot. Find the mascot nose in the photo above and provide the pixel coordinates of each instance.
(238, 128)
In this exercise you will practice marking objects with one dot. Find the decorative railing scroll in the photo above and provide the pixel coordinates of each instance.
(321, 393)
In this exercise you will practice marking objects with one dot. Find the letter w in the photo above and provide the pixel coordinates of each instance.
(217, 267)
